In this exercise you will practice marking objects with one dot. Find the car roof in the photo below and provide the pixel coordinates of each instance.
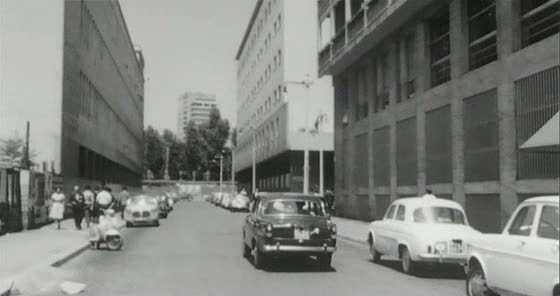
(545, 199)
(264, 196)
(428, 201)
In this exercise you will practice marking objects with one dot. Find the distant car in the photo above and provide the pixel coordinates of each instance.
(288, 224)
(239, 203)
(226, 200)
(421, 229)
(523, 259)
(141, 210)
(216, 198)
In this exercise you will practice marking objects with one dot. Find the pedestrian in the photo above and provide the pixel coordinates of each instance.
(256, 194)
(89, 200)
(78, 203)
(329, 201)
(104, 200)
(57, 209)
(123, 199)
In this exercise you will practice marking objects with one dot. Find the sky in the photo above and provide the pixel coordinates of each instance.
(188, 45)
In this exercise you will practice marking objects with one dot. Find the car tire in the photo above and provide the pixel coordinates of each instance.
(129, 224)
(156, 223)
(375, 255)
(407, 264)
(246, 251)
(325, 262)
(258, 257)
(476, 282)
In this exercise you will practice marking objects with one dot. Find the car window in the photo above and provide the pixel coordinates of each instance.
(548, 224)
(400, 213)
(390, 212)
(445, 215)
(523, 222)
(418, 215)
(293, 207)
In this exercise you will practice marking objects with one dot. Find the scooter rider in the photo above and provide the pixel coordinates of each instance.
(104, 200)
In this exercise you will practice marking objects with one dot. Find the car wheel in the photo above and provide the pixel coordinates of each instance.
(325, 261)
(245, 250)
(258, 257)
(375, 255)
(406, 261)
(156, 223)
(129, 224)
(115, 244)
(476, 282)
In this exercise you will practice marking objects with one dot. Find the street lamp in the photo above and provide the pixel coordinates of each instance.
(221, 157)
(306, 83)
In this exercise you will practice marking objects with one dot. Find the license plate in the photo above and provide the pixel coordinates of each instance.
(301, 234)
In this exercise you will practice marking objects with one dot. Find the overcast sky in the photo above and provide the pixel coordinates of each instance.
(188, 45)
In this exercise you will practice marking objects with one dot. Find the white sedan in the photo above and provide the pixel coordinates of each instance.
(523, 259)
(141, 209)
(421, 229)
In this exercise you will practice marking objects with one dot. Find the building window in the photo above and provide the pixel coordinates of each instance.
(382, 98)
(360, 94)
(410, 49)
(361, 169)
(539, 20)
(438, 146)
(339, 16)
(440, 49)
(482, 32)
(381, 156)
(407, 162)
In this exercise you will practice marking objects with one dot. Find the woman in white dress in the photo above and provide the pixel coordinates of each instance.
(57, 208)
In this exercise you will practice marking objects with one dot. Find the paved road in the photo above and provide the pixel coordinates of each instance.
(196, 251)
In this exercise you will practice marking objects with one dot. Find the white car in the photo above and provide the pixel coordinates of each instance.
(523, 259)
(239, 202)
(421, 229)
(141, 209)
(225, 202)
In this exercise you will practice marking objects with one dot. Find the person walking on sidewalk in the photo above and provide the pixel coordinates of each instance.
(89, 200)
(123, 199)
(78, 205)
(57, 208)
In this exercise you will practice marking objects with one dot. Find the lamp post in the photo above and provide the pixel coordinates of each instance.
(254, 178)
(306, 83)
(221, 157)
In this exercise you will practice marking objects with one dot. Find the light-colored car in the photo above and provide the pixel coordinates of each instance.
(142, 209)
(421, 229)
(523, 259)
(226, 200)
(239, 202)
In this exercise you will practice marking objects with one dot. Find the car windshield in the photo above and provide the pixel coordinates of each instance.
(445, 215)
(140, 199)
(293, 207)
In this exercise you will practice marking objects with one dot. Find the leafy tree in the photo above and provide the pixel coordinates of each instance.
(12, 150)
(216, 133)
(177, 154)
(195, 150)
(154, 152)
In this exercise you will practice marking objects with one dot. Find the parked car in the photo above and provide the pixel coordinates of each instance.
(239, 203)
(288, 224)
(216, 198)
(225, 202)
(421, 229)
(523, 259)
(141, 210)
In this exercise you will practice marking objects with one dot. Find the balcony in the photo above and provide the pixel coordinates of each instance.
(365, 30)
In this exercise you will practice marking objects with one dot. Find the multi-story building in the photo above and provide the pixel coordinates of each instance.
(277, 53)
(441, 95)
(73, 73)
(193, 106)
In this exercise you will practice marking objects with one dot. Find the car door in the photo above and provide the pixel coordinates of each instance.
(398, 230)
(382, 231)
(250, 222)
(542, 251)
(512, 252)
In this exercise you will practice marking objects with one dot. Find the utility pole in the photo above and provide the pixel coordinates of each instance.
(233, 168)
(254, 181)
(166, 177)
(26, 163)
(221, 171)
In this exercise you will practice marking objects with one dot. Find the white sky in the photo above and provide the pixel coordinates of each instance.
(188, 45)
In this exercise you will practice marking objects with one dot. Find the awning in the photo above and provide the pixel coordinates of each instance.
(547, 135)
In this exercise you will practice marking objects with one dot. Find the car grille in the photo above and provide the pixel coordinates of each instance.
(145, 214)
(284, 232)
(136, 214)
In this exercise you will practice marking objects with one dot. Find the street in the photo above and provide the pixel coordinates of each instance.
(196, 251)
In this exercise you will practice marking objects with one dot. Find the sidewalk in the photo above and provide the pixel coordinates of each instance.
(25, 253)
(352, 230)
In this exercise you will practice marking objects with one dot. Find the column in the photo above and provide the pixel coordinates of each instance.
(370, 95)
(393, 93)
(422, 62)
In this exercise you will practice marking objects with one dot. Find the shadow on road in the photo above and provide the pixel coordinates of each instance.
(294, 264)
(432, 271)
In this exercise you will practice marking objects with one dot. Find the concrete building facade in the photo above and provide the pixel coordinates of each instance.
(74, 74)
(440, 95)
(193, 106)
(278, 51)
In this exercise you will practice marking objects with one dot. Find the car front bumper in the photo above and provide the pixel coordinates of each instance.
(309, 247)
(444, 258)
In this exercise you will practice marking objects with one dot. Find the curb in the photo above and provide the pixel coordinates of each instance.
(70, 256)
(353, 240)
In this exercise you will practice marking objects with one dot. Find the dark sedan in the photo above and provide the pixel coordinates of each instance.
(288, 224)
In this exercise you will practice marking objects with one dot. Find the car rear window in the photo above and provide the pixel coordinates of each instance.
(293, 207)
(445, 215)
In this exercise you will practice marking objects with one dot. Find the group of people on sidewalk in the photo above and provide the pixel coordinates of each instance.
(88, 204)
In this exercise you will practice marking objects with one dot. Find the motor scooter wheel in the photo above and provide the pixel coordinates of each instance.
(115, 244)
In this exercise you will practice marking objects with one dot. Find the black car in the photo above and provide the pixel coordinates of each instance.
(288, 224)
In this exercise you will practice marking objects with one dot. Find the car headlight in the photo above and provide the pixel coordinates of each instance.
(440, 247)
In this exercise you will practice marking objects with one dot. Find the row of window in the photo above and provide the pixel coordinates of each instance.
(265, 108)
(280, 182)
(264, 78)
(95, 166)
(266, 140)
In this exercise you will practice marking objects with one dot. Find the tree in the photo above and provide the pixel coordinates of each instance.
(12, 150)
(154, 152)
(195, 150)
(215, 133)
(177, 154)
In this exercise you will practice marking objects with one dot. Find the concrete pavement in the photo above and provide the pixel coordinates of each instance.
(197, 251)
(26, 257)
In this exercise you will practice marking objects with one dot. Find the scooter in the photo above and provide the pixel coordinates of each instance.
(107, 232)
